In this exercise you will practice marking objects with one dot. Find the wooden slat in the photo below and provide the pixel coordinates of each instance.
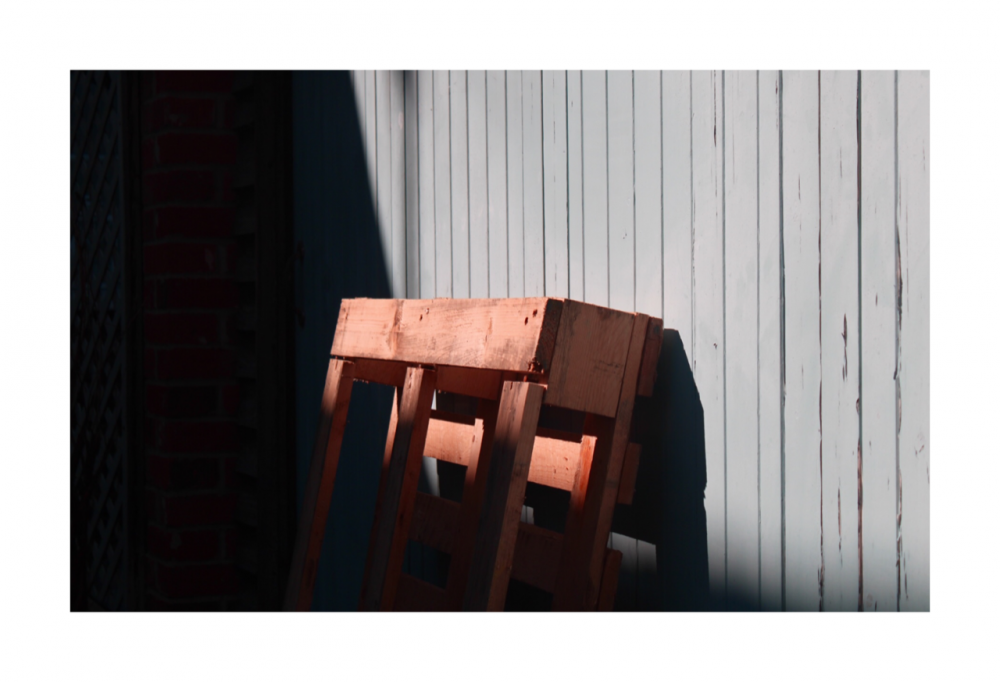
(803, 553)
(478, 383)
(574, 182)
(878, 342)
(769, 346)
(740, 143)
(913, 219)
(435, 522)
(415, 594)
(630, 470)
(589, 522)
(595, 187)
(510, 458)
(515, 188)
(534, 209)
(621, 193)
(397, 490)
(650, 357)
(504, 334)
(459, 185)
(554, 147)
(319, 485)
(839, 321)
(609, 580)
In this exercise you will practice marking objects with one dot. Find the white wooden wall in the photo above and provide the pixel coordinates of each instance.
(779, 221)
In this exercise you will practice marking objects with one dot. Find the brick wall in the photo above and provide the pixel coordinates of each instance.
(189, 151)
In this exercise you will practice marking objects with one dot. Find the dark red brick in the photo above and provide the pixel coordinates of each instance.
(181, 401)
(199, 436)
(194, 221)
(195, 363)
(181, 328)
(186, 545)
(194, 81)
(178, 185)
(178, 112)
(199, 510)
(175, 259)
(213, 294)
(200, 148)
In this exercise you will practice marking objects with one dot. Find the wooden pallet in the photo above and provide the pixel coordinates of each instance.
(517, 357)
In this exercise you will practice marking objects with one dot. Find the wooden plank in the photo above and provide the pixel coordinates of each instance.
(384, 167)
(913, 219)
(648, 195)
(621, 192)
(630, 469)
(769, 346)
(510, 458)
(459, 186)
(515, 188)
(412, 166)
(479, 255)
(442, 187)
(678, 226)
(397, 491)
(478, 383)
(473, 492)
(839, 349)
(650, 357)
(426, 226)
(590, 357)
(435, 521)
(595, 187)
(496, 181)
(609, 580)
(397, 184)
(319, 485)
(503, 334)
(419, 595)
(626, 587)
(878, 343)
(707, 333)
(589, 520)
(803, 449)
(574, 181)
(554, 162)
(534, 209)
(740, 186)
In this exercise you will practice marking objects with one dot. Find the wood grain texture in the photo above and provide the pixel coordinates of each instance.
(477, 383)
(595, 187)
(510, 458)
(479, 254)
(503, 334)
(397, 490)
(426, 226)
(621, 193)
(678, 227)
(515, 187)
(878, 342)
(913, 220)
(319, 485)
(769, 346)
(803, 447)
(534, 226)
(442, 187)
(574, 180)
(839, 221)
(459, 186)
(496, 181)
(555, 248)
(740, 145)
(707, 336)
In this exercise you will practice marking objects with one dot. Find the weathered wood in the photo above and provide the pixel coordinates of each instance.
(595, 186)
(478, 383)
(479, 250)
(589, 521)
(630, 469)
(839, 350)
(515, 188)
(740, 184)
(609, 580)
(650, 357)
(504, 334)
(913, 219)
(574, 181)
(769, 345)
(319, 485)
(554, 249)
(459, 185)
(510, 458)
(878, 342)
(496, 178)
(803, 445)
(435, 522)
(415, 594)
(708, 346)
(621, 192)
(678, 226)
(534, 210)
(397, 491)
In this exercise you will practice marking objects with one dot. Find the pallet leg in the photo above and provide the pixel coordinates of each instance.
(319, 485)
(397, 489)
(510, 459)
(609, 580)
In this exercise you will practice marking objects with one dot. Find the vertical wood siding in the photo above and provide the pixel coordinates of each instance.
(779, 221)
